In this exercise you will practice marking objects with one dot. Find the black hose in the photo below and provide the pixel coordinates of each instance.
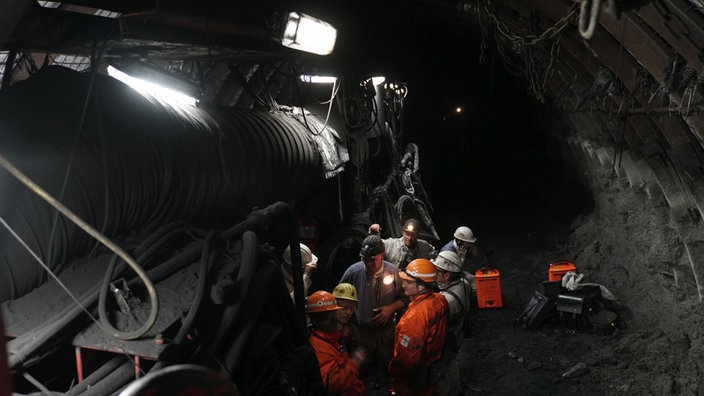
(98, 375)
(248, 318)
(245, 275)
(113, 382)
(54, 330)
(206, 259)
(145, 250)
(154, 242)
(157, 235)
(286, 215)
(279, 297)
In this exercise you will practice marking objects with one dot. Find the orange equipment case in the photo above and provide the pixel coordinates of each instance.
(488, 282)
(559, 269)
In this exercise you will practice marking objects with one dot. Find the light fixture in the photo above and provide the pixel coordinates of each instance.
(306, 33)
(399, 89)
(149, 79)
(378, 80)
(318, 79)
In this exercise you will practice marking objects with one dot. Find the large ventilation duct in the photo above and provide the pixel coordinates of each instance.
(130, 164)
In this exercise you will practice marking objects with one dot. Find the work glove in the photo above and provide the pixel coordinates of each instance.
(572, 282)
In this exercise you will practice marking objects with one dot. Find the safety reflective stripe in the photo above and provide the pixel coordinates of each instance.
(418, 275)
(322, 304)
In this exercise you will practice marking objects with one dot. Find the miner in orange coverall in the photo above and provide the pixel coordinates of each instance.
(420, 334)
(340, 372)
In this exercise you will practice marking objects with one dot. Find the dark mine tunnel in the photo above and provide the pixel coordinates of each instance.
(145, 242)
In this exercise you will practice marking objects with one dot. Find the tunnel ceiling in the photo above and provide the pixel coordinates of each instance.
(623, 76)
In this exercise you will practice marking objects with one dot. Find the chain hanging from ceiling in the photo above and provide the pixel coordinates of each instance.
(539, 52)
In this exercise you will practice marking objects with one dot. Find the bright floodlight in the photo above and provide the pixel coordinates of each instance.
(149, 88)
(318, 79)
(306, 33)
(378, 80)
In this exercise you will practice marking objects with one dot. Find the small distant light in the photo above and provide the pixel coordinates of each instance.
(318, 79)
(458, 109)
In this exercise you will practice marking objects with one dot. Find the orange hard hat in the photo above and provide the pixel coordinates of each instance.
(321, 301)
(421, 270)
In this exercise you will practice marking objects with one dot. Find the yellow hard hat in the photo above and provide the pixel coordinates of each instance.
(345, 291)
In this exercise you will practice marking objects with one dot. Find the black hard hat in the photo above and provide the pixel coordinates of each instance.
(412, 226)
(371, 246)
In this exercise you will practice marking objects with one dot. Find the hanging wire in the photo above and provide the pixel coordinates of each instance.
(96, 57)
(618, 61)
(329, 102)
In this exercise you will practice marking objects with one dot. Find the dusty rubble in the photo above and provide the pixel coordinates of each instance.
(626, 243)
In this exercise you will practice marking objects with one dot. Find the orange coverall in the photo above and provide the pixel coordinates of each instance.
(420, 336)
(340, 373)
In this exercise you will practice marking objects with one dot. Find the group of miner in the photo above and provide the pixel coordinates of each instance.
(396, 319)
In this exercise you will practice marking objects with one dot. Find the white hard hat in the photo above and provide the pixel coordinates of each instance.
(306, 255)
(465, 234)
(447, 260)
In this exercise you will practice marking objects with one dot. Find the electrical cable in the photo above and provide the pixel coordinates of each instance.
(327, 117)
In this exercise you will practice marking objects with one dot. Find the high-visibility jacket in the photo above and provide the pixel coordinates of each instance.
(420, 335)
(340, 373)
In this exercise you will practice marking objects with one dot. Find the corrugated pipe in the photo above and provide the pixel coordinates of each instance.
(133, 164)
